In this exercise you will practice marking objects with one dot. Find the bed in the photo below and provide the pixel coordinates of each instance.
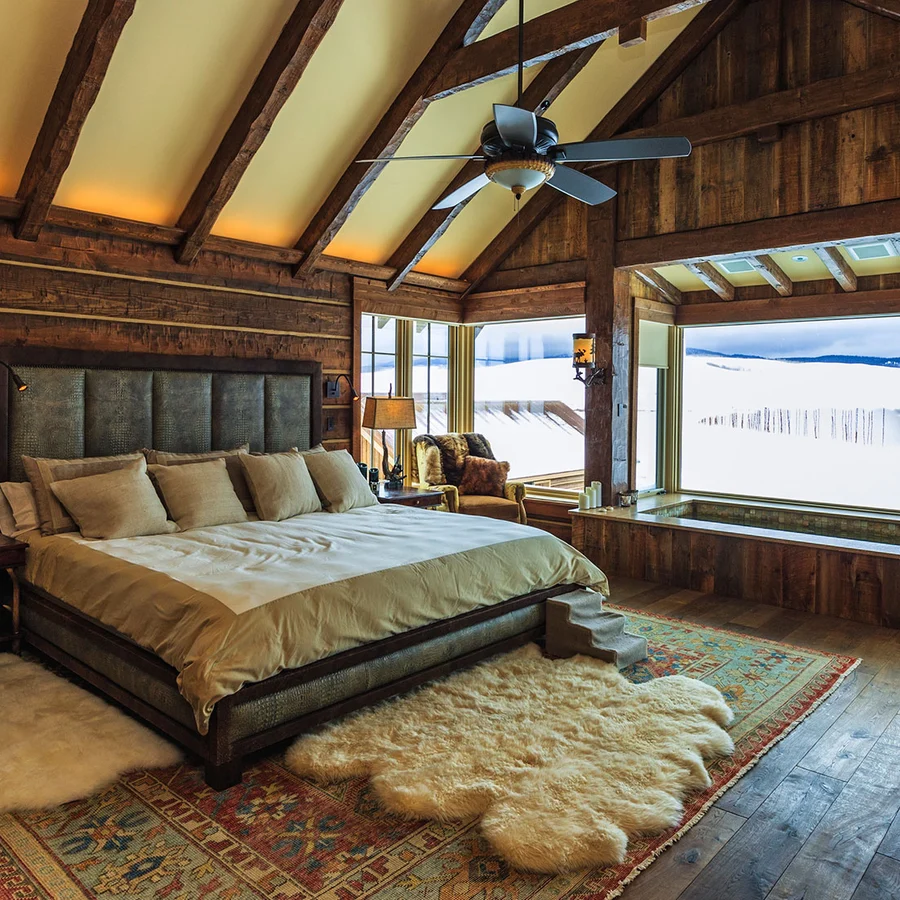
(233, 638)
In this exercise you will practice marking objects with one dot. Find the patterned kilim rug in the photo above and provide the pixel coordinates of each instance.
(165, 834)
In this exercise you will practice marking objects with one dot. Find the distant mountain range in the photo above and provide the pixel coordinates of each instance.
(888, 362)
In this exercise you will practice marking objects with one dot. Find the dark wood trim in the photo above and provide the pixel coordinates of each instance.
(572, 27)
(394, 126)
(697, 34)
(810, 306)
(794, 232)
(78, 86)
(407, 302)
(280, 74)
(550, 82)
(43, 356)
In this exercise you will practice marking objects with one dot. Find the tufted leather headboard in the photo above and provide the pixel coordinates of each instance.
(81, 403)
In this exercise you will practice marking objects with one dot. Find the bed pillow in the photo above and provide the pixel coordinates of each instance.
(483, 477)
(232, 464)
(281, 485)
(199, 494)
(19, 497)
(339, 482)
(43, 472)
(118, 504)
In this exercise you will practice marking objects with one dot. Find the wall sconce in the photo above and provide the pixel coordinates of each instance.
(584, 360)
(333, 388)
(20, 385)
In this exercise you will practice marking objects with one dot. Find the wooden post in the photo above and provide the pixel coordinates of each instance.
(609, 313)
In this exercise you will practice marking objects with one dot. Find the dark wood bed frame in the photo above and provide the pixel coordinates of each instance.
(223, 757)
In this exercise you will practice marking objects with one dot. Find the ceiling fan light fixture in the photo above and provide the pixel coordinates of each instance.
(519, 175)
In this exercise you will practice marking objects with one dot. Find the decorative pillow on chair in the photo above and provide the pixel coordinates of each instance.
(484, 477)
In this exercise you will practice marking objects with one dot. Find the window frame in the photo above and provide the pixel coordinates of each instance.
(428, 356)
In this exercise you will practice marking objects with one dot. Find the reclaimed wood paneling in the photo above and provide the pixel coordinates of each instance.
(808, 578)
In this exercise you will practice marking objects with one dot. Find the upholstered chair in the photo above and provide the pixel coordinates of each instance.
(438, 462)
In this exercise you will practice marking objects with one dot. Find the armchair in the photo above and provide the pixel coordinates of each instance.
(438, 462)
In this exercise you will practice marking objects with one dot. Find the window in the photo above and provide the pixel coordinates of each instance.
(804, 411)
(379, 372)
(527, 402)
(650, 428)
(430, 371)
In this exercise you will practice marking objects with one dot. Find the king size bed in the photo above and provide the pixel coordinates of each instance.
(234, 637)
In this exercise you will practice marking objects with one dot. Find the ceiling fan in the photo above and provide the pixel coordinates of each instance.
(521, 151)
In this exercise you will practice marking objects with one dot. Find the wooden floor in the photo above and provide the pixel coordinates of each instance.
(818, 818)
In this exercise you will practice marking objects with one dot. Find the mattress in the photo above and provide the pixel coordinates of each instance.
(234, 604)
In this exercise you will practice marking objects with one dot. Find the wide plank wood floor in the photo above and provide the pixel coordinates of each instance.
(818, 818)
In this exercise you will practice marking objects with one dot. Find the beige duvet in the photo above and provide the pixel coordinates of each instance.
(238, 603)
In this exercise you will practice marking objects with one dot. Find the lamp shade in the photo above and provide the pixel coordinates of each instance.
(389, 412)
(583, 351)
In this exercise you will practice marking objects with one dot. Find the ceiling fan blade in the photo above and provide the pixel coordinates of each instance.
(403, 158)
(580, 186)
(463, 193)
(517, 127)
(623, 149)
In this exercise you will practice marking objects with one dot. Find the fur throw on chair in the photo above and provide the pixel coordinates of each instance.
(441, 458)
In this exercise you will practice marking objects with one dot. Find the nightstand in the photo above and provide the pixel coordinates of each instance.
(404, 496)
(12, 555)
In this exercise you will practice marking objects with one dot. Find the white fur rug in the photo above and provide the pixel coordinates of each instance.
(60, 743)
(563, 760)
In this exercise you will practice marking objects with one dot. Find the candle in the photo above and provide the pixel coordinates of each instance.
(598, 493)
(583, 500)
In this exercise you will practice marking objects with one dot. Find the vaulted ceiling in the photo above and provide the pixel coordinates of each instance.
(174, 87)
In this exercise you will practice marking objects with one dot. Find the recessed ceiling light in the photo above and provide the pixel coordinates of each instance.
(800, 258)
(872, 250)
(735, 266)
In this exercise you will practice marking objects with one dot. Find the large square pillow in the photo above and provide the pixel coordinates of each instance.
(19, 497)
(43, 472)
(117, 504)
(199, 494)
(232, 464)
(339, 482)
(483, 477)
(281, 485)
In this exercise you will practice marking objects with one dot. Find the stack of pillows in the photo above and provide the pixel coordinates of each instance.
(153, 492)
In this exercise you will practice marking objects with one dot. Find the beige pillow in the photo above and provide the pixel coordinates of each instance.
(19, 496)
(199, 494)
(281, 485)
(117, 504)
(232, 463)
(339, 482)
(43, 472)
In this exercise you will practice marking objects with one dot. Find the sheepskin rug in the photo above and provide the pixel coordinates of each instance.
(563, 760)
(62, 743)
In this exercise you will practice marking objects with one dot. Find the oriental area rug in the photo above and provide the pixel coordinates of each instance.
(163, 833)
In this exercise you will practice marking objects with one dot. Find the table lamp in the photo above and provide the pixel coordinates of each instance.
(389, 413)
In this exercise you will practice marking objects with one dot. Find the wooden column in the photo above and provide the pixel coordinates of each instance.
(609, 312)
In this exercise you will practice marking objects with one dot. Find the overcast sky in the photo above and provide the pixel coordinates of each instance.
(848, 337)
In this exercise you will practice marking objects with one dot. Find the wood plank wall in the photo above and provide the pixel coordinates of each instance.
(838, 161)
(223, 307)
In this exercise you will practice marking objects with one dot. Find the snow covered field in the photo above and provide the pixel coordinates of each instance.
(851, 462)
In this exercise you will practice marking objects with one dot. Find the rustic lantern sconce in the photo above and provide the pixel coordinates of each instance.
(584, 360)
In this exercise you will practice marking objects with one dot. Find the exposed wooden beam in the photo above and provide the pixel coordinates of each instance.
(538, 302)
(408, 302)
(697, 34)
(572, 27)
(876, 221)
(661, 285)
(713, 279)
(395, 125)
(808, 306)
(82, 75)
(279, 75)
(838, 266)
(889, 8)
(773, 273)
(546, 87)
(828, 97)
(633, 33)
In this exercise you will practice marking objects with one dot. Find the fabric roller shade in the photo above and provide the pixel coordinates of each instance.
(654, 344)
